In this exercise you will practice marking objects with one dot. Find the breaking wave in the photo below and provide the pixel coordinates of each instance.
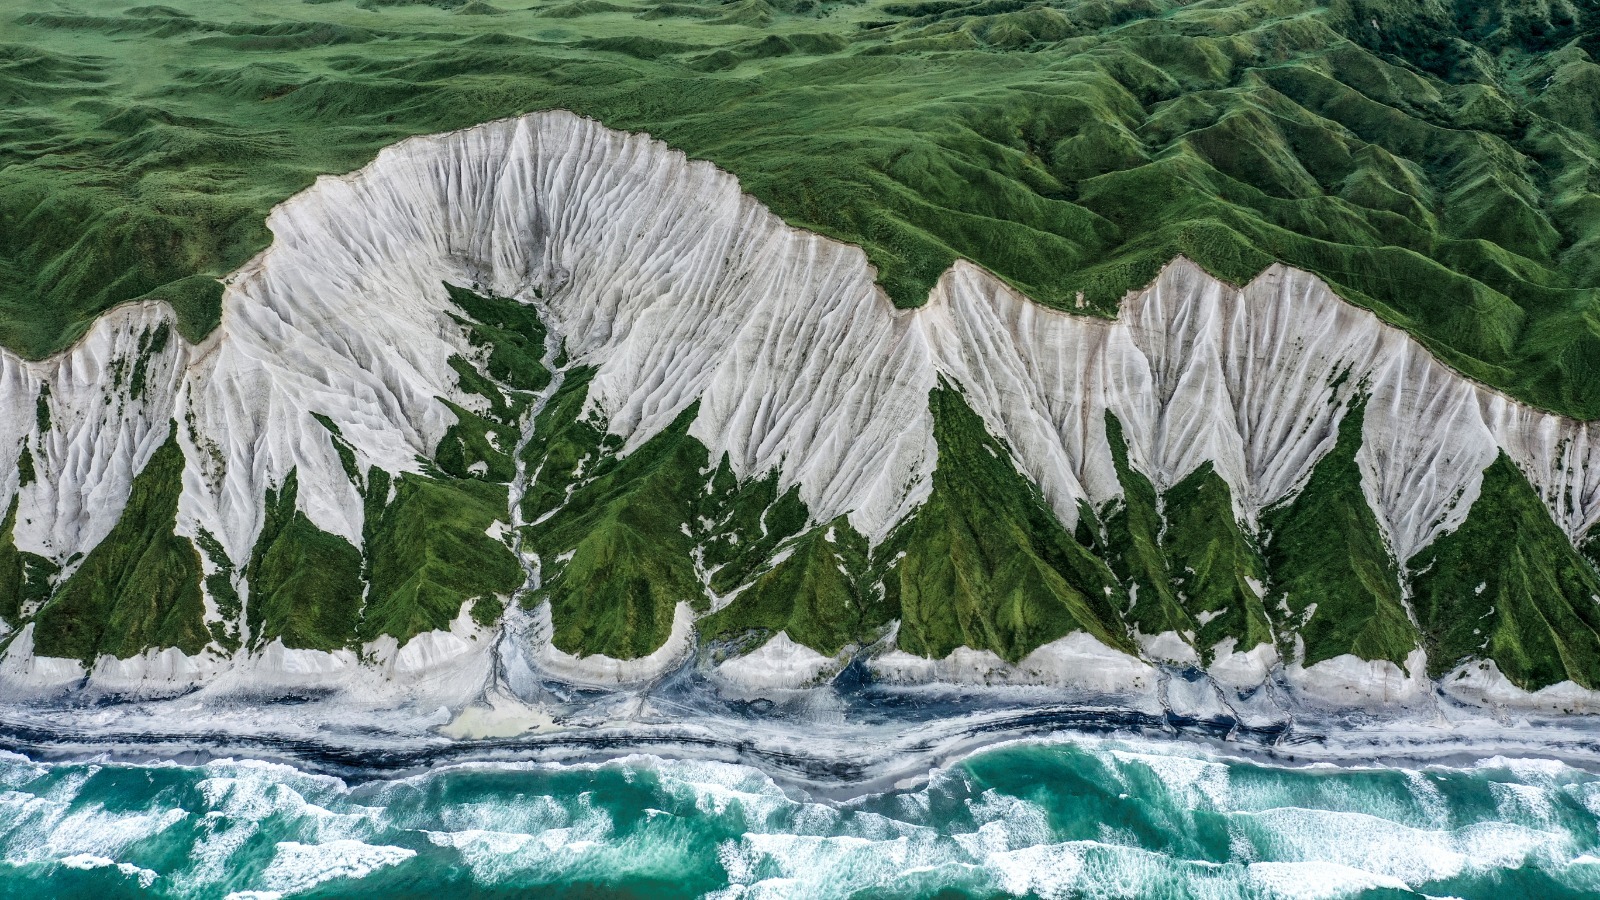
(1050, 819)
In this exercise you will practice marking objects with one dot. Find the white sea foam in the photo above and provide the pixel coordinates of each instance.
(1393, 850)
(1505, 845)
(96, 829)
(44, 828)
(795, 865)
(590, 848)
(1050, 871)
(719, 788)
(298, 867)
(531, 815)
(1189, 779)
(1316, 880)
(240, 795)
(1587, 794)
(86, 861)
(1004, 823)
(534, 823)
(494, 856)
(1428, 796)
(1529, 803)
(1528, 768)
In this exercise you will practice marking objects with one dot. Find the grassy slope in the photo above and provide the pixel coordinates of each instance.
(305, 584)
(818, 594)
(1508, 586)
(1190, 560)
(750, 521)
(24, 577)
(816, 591)
(1438, 166)
(987, 564)
(427, 554)
(623, 541)
(427, 550)
(617, 555)
(227, 629)
(140, 587)
(1214, 562)
(508, 339)
(1133, 547)
(510, 335)
(13, 576)
(1332, 576)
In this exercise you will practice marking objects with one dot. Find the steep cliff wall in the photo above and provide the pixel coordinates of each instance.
(675, 407)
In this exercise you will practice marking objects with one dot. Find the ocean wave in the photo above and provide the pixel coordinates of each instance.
(1056, 818)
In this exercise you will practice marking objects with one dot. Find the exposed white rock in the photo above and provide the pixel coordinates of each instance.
(1350, 681)
(680, 288)
(1078, 660)
(1253, 380)
(779, 663)
(100, 435)
(433, 668)
(1168, 646)
(1481, 682)
(1192, 694)
(465, 644)
(497, 716)
(437, 667)
(25, 674)
(155, 671)
(445, 667)
(1240, 669)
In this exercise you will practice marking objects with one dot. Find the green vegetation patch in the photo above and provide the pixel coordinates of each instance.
(224, 595)
(305, 584)
(986, 563)
(428, 553)
(817, 593)
(1333, 578)
(563, 446)
(26, 474)
(746, 524)
(1189, 564)
(509, 340)
(137, 589)
(476, 446)
(623, 539)
(618, 551)
(1132, 546)
(196, 299)
(511, 335)
(151, 343)
(1509, 586)
(25, 578)
(41, 408)
(342, 448)
(1218, 569)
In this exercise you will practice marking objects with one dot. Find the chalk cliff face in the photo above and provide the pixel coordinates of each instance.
(646, 417)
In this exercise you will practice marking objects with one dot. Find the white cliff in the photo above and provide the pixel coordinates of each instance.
(679, 288)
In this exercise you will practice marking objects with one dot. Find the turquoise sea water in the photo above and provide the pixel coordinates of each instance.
(1089, 818)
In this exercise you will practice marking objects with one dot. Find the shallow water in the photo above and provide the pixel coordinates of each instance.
(1062, 818)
